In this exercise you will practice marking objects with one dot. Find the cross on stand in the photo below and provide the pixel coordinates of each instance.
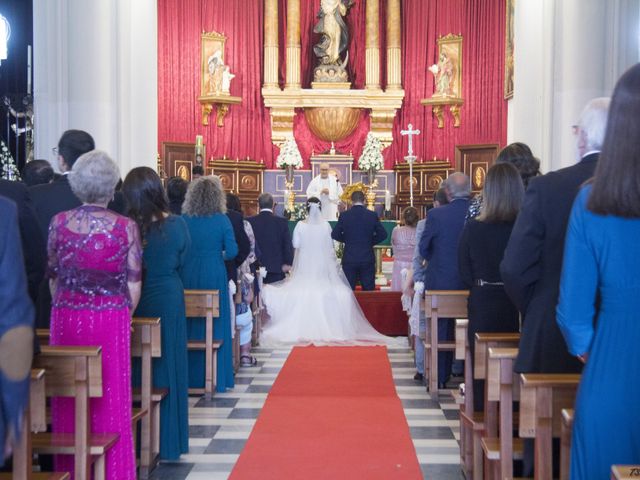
(410, 158)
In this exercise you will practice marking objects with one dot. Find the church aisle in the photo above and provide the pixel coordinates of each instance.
(219, 428)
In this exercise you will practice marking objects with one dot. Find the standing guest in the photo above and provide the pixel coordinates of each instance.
(37, 172)
(273, 240)
(95, 278)
(439, 247)
(166, 243)
(417, 319)
(196, 172)
(480, 252)
(176, 190)
(598, 308)
(16, 328)
(359, 229)
(234, 214)
(520, 156)
(212, 242)
(245, 294)
(403, 242)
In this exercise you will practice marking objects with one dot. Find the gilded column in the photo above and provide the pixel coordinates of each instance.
(271, 43)
(394, 63)
(293, 44)
(372, 79)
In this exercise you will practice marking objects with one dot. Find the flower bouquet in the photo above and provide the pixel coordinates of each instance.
(8, 166)
(371, 159)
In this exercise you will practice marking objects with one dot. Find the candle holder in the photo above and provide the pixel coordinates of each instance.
(290, 194)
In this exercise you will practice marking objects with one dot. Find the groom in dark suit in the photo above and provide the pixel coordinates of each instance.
(273, 240)
(359, 229)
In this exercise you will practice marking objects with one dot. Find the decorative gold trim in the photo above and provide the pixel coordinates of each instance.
(509, 49)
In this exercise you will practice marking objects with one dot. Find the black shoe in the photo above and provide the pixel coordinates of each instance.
(418, 377)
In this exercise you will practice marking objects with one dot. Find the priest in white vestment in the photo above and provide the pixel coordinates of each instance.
(328, 189)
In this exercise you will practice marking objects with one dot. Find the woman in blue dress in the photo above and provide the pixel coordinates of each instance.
(166, 243)
(213, 242)
(599, 300)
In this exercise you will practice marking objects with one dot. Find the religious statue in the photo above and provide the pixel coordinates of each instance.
(215, 77)
(227, 76)
(334, 41)
(444, 72)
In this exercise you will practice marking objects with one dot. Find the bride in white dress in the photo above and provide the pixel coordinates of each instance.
(315, 304)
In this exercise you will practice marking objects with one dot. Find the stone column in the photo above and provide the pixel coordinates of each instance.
(271, 43)
(394, 63)
(293, 44)
(372, 80)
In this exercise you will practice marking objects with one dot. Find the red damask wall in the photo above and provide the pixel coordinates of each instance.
(246, 132)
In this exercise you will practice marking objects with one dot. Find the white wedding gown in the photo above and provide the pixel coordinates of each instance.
(315, 304)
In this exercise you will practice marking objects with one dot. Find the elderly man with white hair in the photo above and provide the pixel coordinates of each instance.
(327, 188)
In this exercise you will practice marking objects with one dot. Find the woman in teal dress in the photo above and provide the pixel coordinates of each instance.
(599, 300)
(213, 242)
(166, 243)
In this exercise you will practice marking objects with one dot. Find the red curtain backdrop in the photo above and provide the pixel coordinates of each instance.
(246, 132)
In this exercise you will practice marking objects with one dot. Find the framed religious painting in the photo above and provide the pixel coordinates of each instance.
(448, 70)
(508, 51)
(212, 69)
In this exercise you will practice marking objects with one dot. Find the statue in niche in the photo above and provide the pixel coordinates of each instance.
(219, 76)
(334, 41)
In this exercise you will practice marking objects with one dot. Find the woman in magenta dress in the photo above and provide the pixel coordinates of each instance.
(95, 279)
(403, 242)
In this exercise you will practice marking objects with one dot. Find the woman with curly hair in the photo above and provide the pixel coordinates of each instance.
(166, 243)
(213, 242)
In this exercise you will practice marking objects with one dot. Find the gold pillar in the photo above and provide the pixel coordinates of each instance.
(271, 43)
(293, 44)
(372, 58)
(394, 63)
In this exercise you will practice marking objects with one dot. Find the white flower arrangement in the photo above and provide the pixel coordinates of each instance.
(8, 166)
(289, 155)
(371, 158)
(299, 212)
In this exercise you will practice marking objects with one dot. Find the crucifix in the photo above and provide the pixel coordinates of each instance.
(410, 158)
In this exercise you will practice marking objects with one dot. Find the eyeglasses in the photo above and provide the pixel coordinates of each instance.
(54, 150)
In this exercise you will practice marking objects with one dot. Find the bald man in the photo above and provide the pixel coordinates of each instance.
(327, 188)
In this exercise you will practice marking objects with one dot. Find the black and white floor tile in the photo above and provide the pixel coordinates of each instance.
(220, 427)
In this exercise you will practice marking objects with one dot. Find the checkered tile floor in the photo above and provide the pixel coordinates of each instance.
(219, 427)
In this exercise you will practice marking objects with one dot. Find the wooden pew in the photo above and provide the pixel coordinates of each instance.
(500, 452)
(565, 442)
(75, 372)
(484, 423)
(146, 343)
(625, 472)
(34, 421)
(205, 303)
(439, 304)
(542, 398)
(463, 352)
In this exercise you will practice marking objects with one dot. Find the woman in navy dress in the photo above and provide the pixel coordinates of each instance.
(599, 301)
(165, 245)
(211, 232)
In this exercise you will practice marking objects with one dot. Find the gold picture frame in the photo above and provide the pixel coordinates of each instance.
(448, 79)
(509, 48)
(212, 52)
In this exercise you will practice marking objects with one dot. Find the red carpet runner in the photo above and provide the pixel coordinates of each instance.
(332, 413)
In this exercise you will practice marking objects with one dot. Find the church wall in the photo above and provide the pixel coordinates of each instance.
(567, 52)
(95, 69)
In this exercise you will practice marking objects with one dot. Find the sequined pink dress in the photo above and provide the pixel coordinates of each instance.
(93, 253)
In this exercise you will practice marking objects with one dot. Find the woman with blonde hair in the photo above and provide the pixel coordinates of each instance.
(212, 242)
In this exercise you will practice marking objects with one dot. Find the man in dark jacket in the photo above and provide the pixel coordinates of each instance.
(273, 239)
(359, 229)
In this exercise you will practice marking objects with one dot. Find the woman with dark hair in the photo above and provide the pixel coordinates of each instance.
(166, 242)
(403, 242)
(176, 190)
(480, 252)
(599, 303)
(520, 156)
(213, 242)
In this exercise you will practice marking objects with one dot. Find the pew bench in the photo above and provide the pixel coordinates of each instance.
(625, 472)
(565, 442)
(465, 400)
(542, 398)
(205, 303)
(438, 304)
(76, 372)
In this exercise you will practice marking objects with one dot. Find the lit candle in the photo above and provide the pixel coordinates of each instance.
(387, 200)
(198, 140)
(28, 69)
